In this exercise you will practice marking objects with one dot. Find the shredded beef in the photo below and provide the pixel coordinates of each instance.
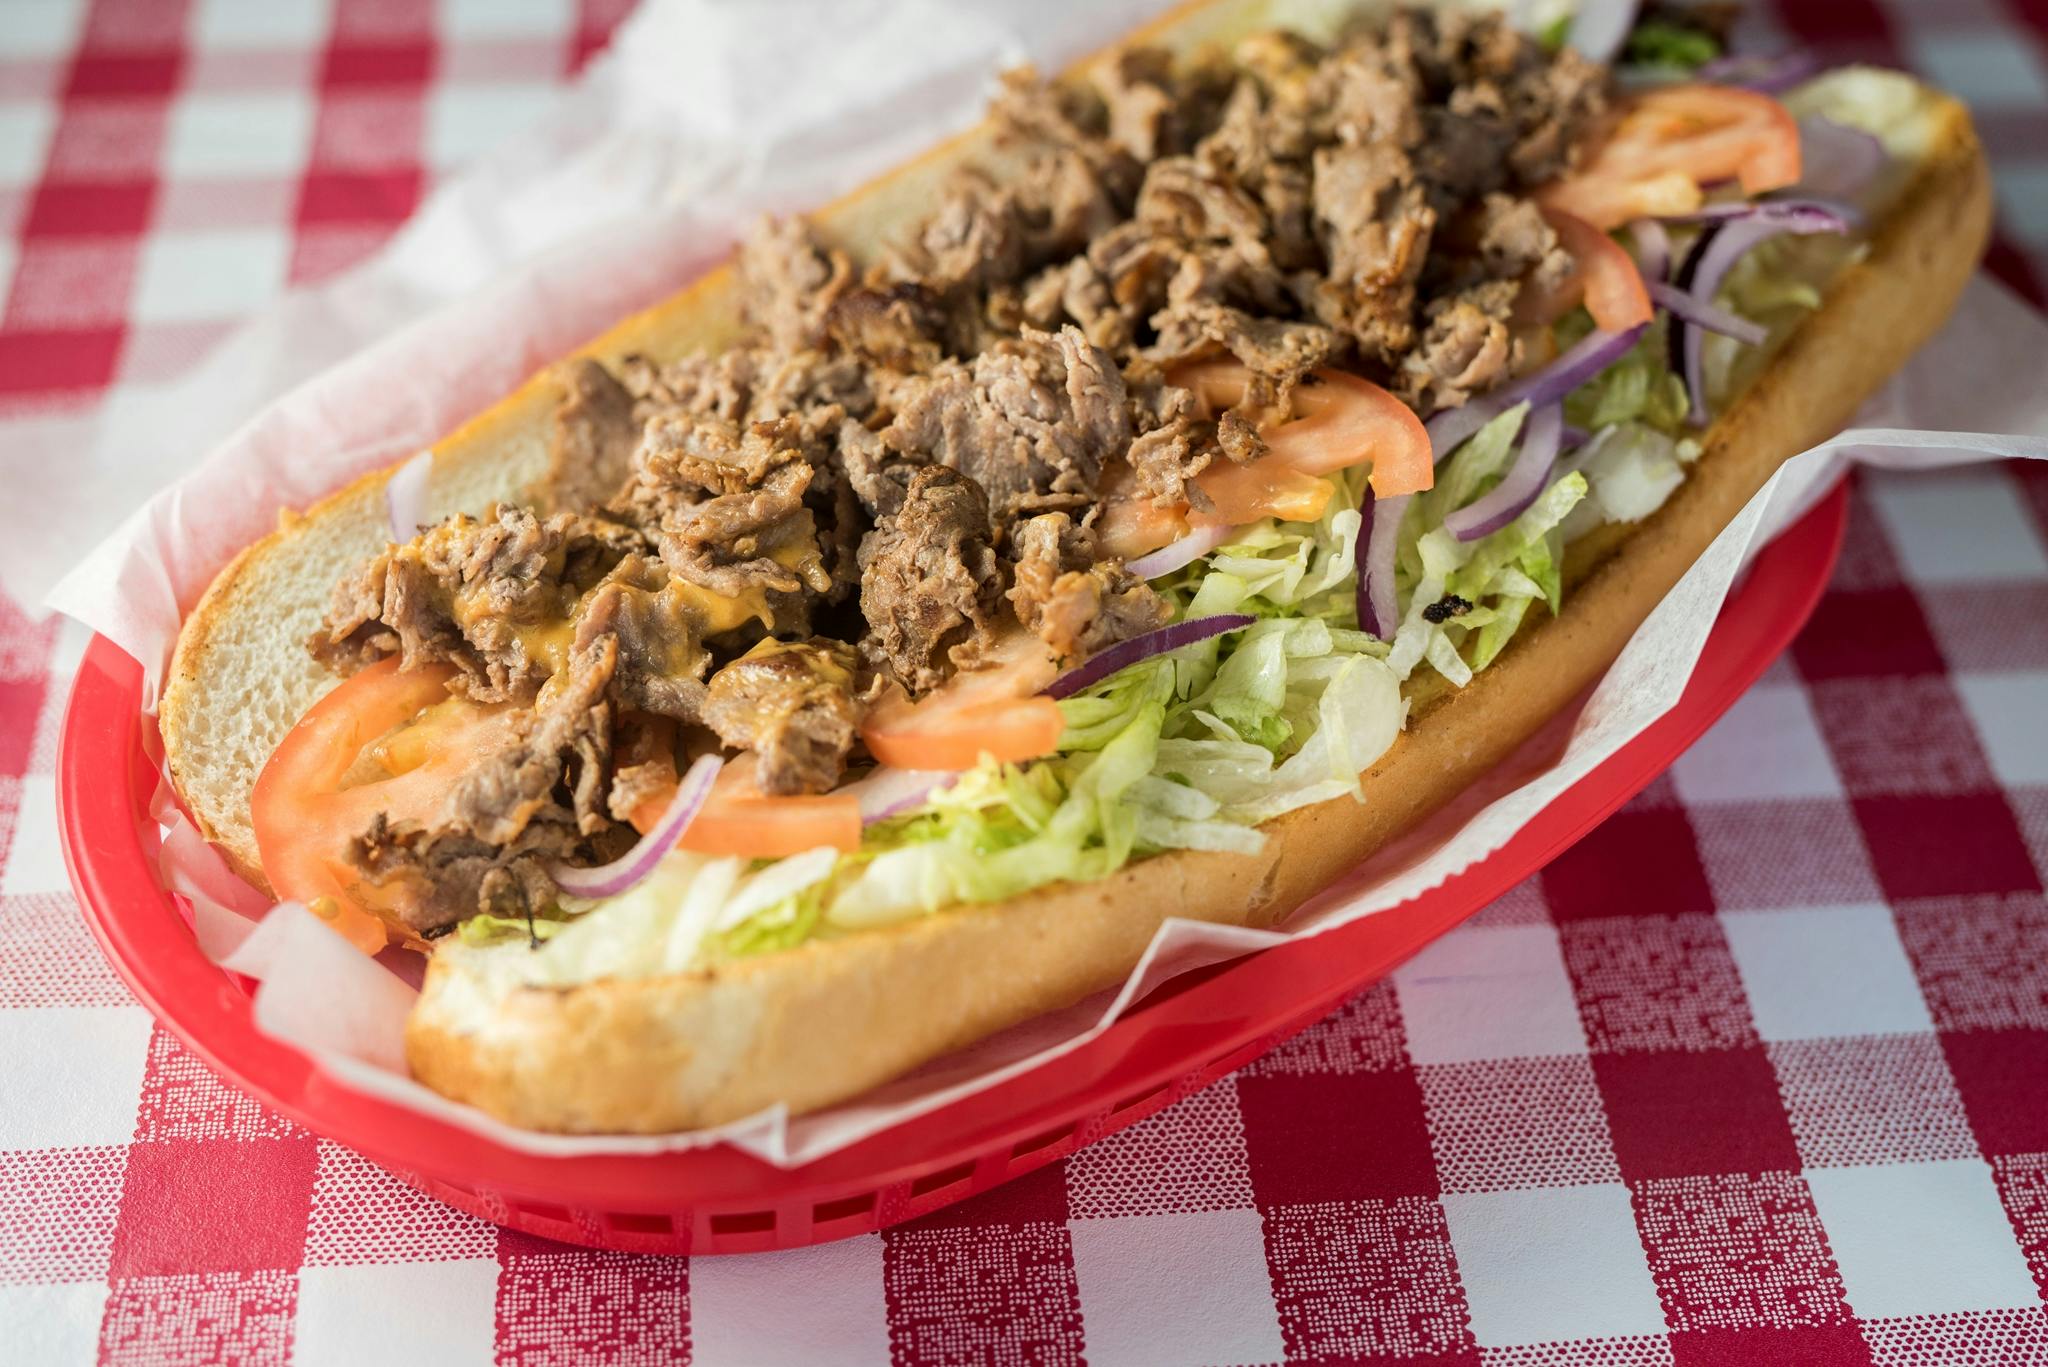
(793, 705)
(534, 800)
(1277, 353)
(1466, 347)
(645, 765)
(1172, 446)
(594, 436)
(1516, 244)
(877, 475)
(725, 509)
(790, 282)
(661, 662)
(1076, 605)
(1239, 438)
(976, 238)
(1030, 422)
(1375, 223)
(481, 595)
(930, 582)
(1137, 89)
(900, 327)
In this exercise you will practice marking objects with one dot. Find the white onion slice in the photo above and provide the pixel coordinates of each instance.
(1175, 554)
(405, 497)
(888, 792)
(609, 880)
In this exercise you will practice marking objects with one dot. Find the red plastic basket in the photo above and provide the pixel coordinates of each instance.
(718, 1200)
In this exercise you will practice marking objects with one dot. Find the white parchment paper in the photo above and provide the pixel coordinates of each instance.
(704, 115)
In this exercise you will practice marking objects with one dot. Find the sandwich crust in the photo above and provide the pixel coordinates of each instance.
(832, 1018)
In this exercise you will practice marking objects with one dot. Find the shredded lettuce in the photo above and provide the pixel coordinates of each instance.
(1677, 47)
(1630, 470)
(486, 929)
(1282, 569)
(1639, 387)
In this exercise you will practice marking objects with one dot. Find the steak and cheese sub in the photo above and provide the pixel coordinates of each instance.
(1146, 505)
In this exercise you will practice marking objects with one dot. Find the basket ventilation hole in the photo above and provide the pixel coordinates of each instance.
(1025, 1147)
(534, 1210)
(945, 1177)
(845, 1207)
(642, 1224)
(743, 1222)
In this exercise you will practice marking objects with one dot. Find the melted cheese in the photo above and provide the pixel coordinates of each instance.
(713, 613)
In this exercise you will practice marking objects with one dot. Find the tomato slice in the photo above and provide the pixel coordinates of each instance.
(304, 818)
(739, 819)
(1339, 421)
(1671, 141)
(1344, 420)
(995, 710)
(1130, 524)
(1603, 276)
(1267, 487)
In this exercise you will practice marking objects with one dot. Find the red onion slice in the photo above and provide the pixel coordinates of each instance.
(1767, 75)
(1175, 554)
(1593, 354)
(1379, 529)
(1653, 249)
(888, 792)
(1124, 654)
(630, 868)
(405, 497)
(1703, 313)
(1719, 247)
(1525, 479)
(1799, 215)
(1839, 161)
(1600, 27)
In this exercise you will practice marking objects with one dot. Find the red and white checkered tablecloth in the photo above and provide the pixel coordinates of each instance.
(1757, 1073)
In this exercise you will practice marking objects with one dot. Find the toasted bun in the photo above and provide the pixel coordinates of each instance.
(831, 1018)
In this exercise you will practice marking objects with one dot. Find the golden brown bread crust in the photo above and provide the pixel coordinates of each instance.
(834, 1018)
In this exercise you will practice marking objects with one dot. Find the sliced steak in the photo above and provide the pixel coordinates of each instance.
(1375, 223)
(790, 282)
(1075, 605)
(533, 801)
(493, 597)
(930, 581)
(725, 508)
(1031, 422)
(793, 705)
(591, 448)
(658, 632)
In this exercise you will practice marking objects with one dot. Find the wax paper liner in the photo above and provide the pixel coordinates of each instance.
(640, 178)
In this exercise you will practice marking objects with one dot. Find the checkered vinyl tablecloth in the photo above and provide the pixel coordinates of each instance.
(1756, 1073)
